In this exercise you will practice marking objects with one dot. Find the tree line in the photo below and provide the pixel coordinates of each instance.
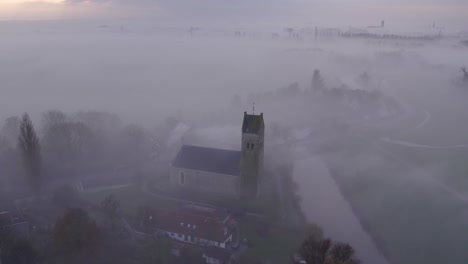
(65, 146)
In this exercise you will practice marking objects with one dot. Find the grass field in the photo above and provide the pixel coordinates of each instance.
(412, 219)
(270, 243)
(449, 166)
(437, 126)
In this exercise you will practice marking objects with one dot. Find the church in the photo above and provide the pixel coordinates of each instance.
(220, 171)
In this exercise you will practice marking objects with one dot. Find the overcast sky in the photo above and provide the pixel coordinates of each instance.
(399, 13)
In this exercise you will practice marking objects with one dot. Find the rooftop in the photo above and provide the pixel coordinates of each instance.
(185, 221)
(220, 215)
(220, 161)
(10, 218)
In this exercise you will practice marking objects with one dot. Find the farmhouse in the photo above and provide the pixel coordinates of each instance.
(14, 222)
(191, 226)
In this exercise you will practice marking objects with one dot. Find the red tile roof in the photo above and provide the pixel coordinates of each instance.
(9, 218)
(189, 222)
(209, 212)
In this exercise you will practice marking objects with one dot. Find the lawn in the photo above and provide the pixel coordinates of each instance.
(261, 206)
(448, 166)
(270, 243)
(412, 218)
(441, 126)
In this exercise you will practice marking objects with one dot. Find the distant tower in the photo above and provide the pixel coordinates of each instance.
(253, 134)
(382, 24)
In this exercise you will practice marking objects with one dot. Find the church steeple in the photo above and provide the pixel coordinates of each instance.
(253, 131)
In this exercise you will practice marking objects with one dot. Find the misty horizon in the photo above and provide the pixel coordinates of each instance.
(278, 128)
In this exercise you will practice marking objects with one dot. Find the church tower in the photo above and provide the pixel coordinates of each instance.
(253, 133)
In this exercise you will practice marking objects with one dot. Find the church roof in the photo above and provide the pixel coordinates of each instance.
(220, 161)
(252, 123)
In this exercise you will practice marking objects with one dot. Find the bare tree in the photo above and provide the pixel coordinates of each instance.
(289, 30)
(317, 81)
(315, 251)
(52, 118)
(138, 145)
(28, 143)
(342, 253)
(76, 233)
(323, 251)
(10, 130)
(65, 143)
(313, 230)
(111, 208)
(15, 249)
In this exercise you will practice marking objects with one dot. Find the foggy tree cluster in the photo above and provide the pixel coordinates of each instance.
(15, 249)
(111, 208)
(359, 101)
(76, 234)
(324, 251)
(352, 103)
(62, 146)
(28, 143)
(335, 87)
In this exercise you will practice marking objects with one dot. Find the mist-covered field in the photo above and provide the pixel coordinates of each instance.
(390, 120)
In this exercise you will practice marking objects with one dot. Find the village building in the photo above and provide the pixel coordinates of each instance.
(210, 255)
(191, 225)
(227, 172)
(14, 222)
(216, 256)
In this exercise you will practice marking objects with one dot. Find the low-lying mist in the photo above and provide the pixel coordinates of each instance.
(387, 117)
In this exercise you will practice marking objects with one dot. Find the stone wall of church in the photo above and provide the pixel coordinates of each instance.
(205, 181)
(251, 163)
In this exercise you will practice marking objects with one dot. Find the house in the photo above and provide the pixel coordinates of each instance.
(209, 255)
(190, 226)
(14, 222)
(217, 256)
(227, 172)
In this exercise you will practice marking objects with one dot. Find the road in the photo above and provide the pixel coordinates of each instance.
(323, 204)
(424, 122)
(421, 146)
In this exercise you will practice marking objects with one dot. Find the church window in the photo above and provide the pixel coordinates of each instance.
(252, 146)
(248, 145)
(182, 178)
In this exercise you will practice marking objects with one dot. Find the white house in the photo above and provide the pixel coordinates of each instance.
(189, 226)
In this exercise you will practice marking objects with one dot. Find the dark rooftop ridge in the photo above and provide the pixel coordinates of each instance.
(221, 161)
